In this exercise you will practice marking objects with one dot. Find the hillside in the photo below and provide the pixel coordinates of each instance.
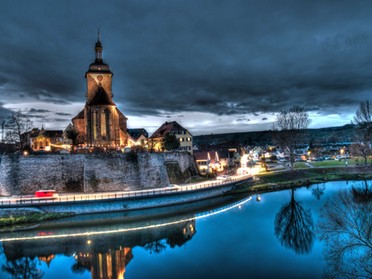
(330, 135)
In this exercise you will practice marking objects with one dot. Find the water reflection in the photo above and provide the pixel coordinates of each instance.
(104, 250)
(23, 268)
(346, 228)
(294, 226)
(317, 190)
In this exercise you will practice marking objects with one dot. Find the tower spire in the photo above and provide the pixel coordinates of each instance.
(99, 49)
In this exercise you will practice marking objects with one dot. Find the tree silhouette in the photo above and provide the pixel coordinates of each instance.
(363, 120)
(291, 127)
(24, 268)
(346, 227)
(72, 134)
(17, 124)
(294, 227)
(171, 142)
(156, 246)
(82, 265)
(362, 194)
(317, 191)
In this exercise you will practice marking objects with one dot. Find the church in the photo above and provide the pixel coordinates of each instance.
(100, 123)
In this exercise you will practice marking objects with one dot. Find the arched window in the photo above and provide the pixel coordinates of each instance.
(107, 120)
(103, 124)
(94, 126)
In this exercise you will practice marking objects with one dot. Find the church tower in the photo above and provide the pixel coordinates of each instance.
(99, 74)
(100, 123)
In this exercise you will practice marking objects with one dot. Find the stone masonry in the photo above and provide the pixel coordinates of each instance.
(22, 175)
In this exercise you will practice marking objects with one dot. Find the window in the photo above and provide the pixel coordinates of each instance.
(94, 125)
(103, 124)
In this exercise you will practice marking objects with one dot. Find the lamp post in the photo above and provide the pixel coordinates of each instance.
(342, 152)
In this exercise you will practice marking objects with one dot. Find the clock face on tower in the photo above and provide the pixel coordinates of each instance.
(100, 78)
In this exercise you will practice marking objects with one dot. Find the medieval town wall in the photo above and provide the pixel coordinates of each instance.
(22, 175)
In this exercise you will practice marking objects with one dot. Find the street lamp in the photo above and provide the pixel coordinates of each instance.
(342, 152)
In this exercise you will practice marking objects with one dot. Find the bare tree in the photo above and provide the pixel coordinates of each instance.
(156, 246)
(17, 124)
(23, 268)
(345, 226)
(294, 227)
(362, 194)
(317, 190)
(152, 143)
(291, 127)
(363, 120)
(361, 149)
(363, 115)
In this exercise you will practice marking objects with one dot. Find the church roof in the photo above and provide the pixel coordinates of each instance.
(101, 98)
(53, 133)
(98, 67)
(80, 115)
(121, 114)
(168, 127)
(136, 133)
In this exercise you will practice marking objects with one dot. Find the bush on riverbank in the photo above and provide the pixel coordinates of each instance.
(303, 177)
(33, 217)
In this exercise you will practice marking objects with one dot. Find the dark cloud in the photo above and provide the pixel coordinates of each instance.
(38, 110)
(31, 116)
(63, 114)
(222, 57)
(59, 120)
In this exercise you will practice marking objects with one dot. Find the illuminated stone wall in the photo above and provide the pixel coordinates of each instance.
(87, 172)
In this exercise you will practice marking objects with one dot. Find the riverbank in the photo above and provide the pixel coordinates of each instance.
(264, 182)
(274, 181)
(15, 217)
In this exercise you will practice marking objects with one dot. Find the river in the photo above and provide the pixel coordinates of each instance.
(285, 234)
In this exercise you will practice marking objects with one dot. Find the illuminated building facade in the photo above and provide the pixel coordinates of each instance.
(173, 128)
(44, 140)
(209, 162)
(100, 123)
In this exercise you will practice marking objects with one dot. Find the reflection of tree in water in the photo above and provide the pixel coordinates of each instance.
(293, 227)
(156, 246)
(317, 190)
(25, 268)
(346, 227)
(362, 194)
(81, 265)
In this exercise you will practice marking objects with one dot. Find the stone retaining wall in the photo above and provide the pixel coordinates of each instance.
(88, 172)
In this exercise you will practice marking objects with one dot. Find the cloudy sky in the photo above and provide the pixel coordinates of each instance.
(213, 66)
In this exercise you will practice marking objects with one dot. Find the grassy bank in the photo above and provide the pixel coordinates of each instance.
(15, 218)
(301, 177)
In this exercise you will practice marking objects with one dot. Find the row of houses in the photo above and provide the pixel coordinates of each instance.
(44, 140)
(49, 141)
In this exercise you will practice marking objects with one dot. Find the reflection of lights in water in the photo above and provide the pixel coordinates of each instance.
(89, 242)
(197, 216)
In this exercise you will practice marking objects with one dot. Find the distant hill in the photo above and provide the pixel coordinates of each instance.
(331, 135)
